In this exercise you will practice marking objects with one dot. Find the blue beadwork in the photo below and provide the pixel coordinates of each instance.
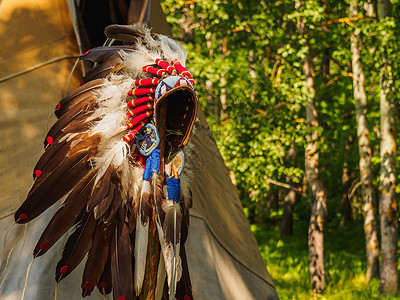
(174, 188)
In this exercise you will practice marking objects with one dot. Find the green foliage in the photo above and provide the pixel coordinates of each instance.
(247, 58)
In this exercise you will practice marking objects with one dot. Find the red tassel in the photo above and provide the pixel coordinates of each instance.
(182, 70)
(141, 91)
(135, 102)
(154, 71)
(166, 66)
(147, 82)
(140, 109)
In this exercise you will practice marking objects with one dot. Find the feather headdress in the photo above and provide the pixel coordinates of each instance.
(116, 152)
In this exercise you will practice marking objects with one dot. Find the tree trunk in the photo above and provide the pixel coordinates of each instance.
(346, 183)
(370, 227)
(290, 198)
(388, 204)
(318, 211)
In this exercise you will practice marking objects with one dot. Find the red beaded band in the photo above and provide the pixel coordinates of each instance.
(141, 91)
(147, 82)
(154, 71)
(135, 102)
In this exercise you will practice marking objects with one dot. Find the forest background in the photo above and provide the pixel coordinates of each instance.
(302, 99)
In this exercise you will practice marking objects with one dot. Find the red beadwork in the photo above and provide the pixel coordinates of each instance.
(147, 82)
(140, 109)
(135, 102)
(141, 91)
(154, 71)
(138, 119)
(165, 65)
(23, 216)
(64, 270)
(44, 245)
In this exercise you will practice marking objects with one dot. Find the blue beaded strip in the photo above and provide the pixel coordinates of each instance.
(174, 188)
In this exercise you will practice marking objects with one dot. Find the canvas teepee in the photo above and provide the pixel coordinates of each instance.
(40, 41)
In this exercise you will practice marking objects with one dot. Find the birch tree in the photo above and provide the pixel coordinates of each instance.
(366, 177)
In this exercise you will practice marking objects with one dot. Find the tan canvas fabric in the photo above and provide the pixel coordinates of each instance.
(37, 44)
(36, 55)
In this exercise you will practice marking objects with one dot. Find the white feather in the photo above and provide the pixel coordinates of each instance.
(141, 243)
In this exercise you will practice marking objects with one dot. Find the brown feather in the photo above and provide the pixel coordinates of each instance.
(77, 96)
(103, 68)
(124, 33)
(112, 200)
(105, 282)
(115, 205)
(121, 263)
(184, 286)
(65, 217)
(78, 113)
(58, 152)
(77, 246)
(56, 185)
(97, 257)
(100, 190)
(102, 53)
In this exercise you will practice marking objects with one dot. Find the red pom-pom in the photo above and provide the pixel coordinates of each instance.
(23, 216)
(44, 245)
(121, 298)
(88, 286)
(58, 106)
(103, 284)
(49, 140)
(64, 270)
(38, 172)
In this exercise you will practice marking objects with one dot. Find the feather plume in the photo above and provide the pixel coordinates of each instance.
(142, 235)
(123, 33)
(121, 263)
(105, 282)
(76, 97)
(76, 247)
(97, 257)
(65, 217)
(55, 186)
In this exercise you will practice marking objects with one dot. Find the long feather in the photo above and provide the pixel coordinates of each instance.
(142, 235)
(105, 282)
(56, 185)
(76, 247)
(121, 263)
(65, 217)
(97, 257)
(171, 243)
(123, 33)
(76, 97)
(102, 53)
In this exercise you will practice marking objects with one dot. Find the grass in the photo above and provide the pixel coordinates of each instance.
(286, 258)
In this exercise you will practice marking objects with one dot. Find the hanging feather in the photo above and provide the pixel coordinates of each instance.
(65, 217)
(77, 96)
(76, 247)
(121, 264)
(97, 257)
(128, 34)
(105, 282)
